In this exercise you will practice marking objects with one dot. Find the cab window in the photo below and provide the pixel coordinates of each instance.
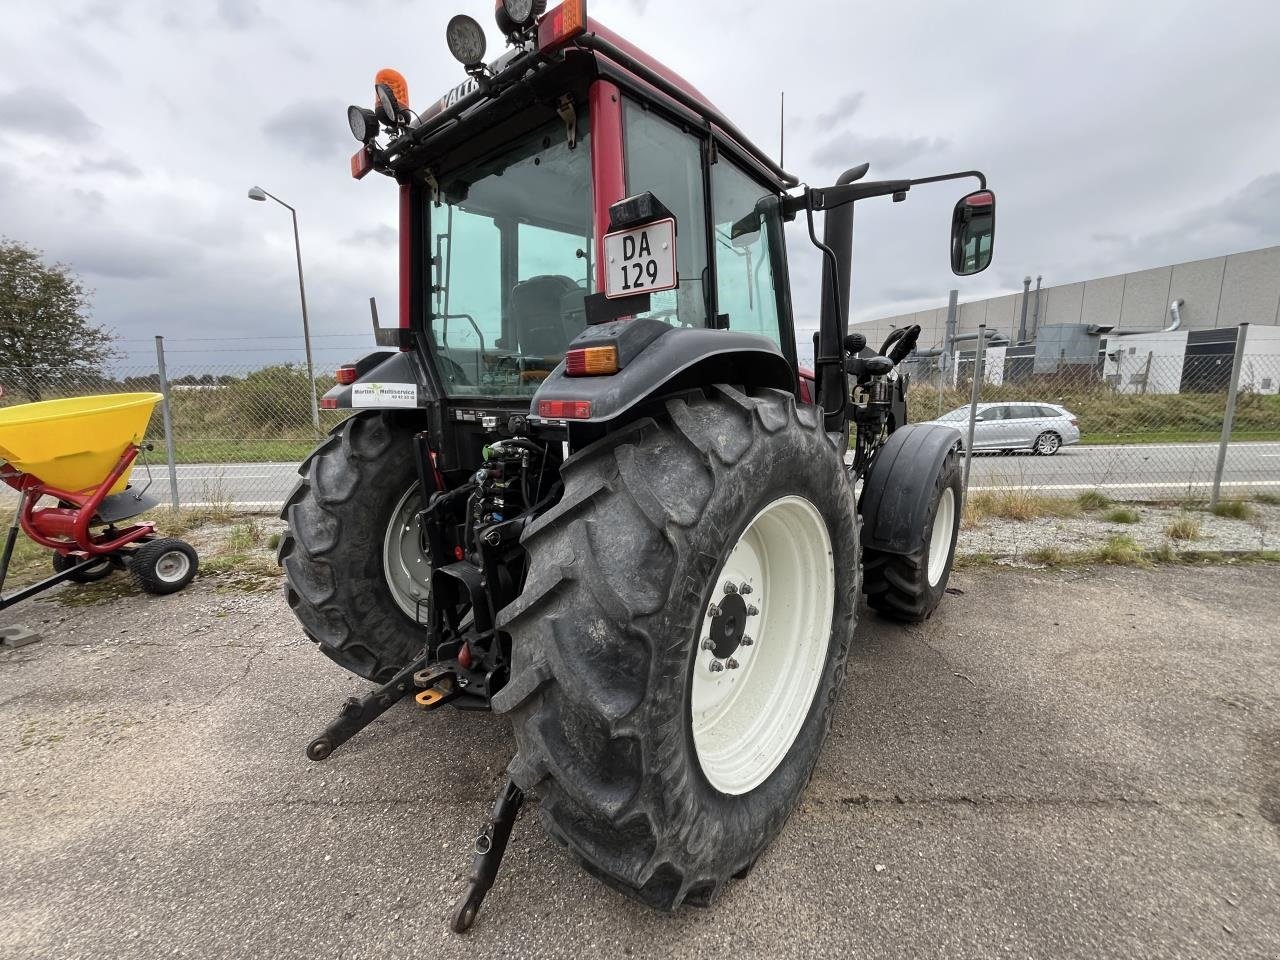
(663, 159)
(744, 264)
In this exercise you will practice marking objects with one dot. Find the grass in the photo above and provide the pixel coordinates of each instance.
(1093, 500)
(1183, 528)
(1173, 436)
(242, 450)
(1119, 549)
(1050, 556)
(1270, 499)
(1122, 515)
(1232, 509)
(1014, 504)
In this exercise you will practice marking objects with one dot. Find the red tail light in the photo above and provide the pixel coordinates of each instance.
(329, 403)
(346, 375)
(1074, 422)
(564, 409)
(563, 23)
(361, 163)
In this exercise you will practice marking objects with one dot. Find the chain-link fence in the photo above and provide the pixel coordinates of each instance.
(1133, 426)
(239, 431)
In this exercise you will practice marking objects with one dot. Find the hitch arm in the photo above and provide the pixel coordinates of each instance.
(358, 712)
(490, 847)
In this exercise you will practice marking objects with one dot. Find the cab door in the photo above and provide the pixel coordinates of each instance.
(746, 234)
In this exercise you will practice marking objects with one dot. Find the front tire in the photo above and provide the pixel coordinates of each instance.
(354, 574)
(612, 694)
(909, 586)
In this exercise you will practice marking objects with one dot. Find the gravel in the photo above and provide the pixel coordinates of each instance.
(1014, 539)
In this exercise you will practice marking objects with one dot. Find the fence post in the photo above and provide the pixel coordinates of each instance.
(978, 364)
(166, 409)
(1229, 415)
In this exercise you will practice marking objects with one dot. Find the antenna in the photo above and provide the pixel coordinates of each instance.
(782, 128)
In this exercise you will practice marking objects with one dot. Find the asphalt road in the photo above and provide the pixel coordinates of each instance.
(1138, 471)
(1079, 765)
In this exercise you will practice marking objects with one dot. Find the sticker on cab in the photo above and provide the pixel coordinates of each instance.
(384, 395)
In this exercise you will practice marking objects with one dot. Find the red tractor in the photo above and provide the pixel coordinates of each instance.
(588, 486)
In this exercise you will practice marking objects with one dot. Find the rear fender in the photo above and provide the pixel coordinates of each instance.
(896, 493)
(657, 359)
(385, 380)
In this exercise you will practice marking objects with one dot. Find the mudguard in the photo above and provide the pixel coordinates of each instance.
(385, 380)
(896, 493)
(658, 358)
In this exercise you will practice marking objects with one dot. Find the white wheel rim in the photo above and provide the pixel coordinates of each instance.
(944, 522)
(746, 718)
(172, 566)
(407, 571)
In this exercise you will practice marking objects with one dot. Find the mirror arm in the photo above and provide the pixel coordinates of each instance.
(963, 174)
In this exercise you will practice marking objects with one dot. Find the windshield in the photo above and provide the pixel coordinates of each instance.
(959, 413)
(511, 246)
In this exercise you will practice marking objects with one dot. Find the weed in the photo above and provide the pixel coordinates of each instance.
(1270, 499)
(1014, 504)
(1185, 527)
(1232, 509)
(1122, 515)
(1093, 500)
(273, 542)
(244, 537)
(1120, 549)
(1050, 556)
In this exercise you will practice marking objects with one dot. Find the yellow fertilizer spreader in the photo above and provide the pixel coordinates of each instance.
(79, 453)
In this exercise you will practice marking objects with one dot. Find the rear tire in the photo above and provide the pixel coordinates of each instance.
(607, 639)
(347, 521)
(1047, 444)
(909, 587)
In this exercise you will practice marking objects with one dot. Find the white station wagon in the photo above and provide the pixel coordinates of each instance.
(1042, 428)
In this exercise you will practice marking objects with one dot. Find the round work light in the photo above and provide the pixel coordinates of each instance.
(363, 123)
(466, 41)
(516, 15)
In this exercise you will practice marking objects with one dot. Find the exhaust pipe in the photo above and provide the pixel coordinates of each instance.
(1175, 321)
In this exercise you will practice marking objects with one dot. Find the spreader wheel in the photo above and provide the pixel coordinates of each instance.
(681, 640)
(164, 566)
(90, 574)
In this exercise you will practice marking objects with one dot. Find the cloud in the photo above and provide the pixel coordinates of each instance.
(47, 112)
(842, 110)
(239, 14)
(120, 166)
(314, 129)
(884, 153)
(379, 236)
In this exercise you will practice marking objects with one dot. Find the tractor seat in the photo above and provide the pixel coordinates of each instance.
(539, 320)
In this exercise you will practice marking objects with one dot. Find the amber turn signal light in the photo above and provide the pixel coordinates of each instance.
(591, 361)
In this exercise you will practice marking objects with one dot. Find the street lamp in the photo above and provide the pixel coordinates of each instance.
(257, 193)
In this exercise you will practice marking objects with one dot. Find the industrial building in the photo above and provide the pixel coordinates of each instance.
(1123, 327)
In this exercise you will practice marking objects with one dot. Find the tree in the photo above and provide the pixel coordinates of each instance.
(45, 324)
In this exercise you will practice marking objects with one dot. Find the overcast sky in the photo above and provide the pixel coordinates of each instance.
(1118, 135)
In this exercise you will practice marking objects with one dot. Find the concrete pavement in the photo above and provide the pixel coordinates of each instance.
(1081, 764)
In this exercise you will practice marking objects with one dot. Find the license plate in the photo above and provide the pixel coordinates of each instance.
(642, 260)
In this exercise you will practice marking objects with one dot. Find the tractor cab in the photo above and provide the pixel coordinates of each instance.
(507, 183)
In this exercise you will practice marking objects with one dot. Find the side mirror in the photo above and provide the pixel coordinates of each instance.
(978, 419)
(973, 231)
